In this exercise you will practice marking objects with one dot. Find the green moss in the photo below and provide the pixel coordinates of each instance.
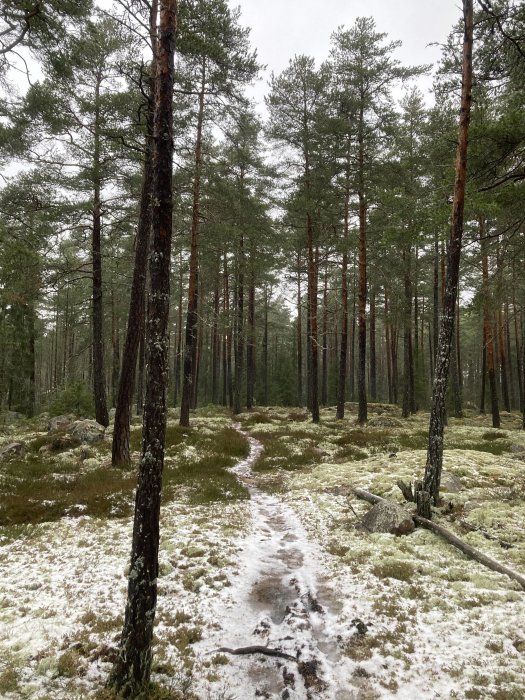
(394, 568)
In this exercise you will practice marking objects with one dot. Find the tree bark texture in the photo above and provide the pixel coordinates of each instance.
(120, 454)
(99, 384)
(434, 462)
(131, 672)
(190, 347)
(362, 415)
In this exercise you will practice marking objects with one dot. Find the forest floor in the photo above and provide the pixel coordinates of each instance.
(259, 546)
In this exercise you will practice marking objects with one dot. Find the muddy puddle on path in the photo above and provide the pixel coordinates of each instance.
(282, 600)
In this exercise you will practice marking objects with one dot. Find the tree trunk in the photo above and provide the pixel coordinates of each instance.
(250, 348)
(387, 350)
(115, 347)
(239, 329)
(488, 339)
(120, 454)
(215, 343)
(178, 351)
(131, 671)
(362, 416)
(189, 371)
(265, 347)
(407, 330)
(435, 443)
(324, 361)
(299, 335)
(343, 348)
(435, 314)
(99, 385)
(483, 374)
(373, 359)
(313, 380)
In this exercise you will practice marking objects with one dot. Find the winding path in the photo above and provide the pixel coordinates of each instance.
(282, 600)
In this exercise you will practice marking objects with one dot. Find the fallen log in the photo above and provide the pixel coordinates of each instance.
(267, 651)
(452, 539)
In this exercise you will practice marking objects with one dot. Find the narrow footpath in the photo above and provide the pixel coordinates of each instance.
(282, 601)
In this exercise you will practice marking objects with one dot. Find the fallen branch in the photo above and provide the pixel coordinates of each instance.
(453, 540)
(258, 650)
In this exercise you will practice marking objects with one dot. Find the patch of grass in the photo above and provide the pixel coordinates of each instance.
(370, 438)
(184, 636)
(8, 681)
(394, 568)
(68, 664)
(494, 435)
(38, 490)
(42, 489)
(350, 453)
(255, 418)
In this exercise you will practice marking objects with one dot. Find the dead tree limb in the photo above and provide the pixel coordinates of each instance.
(452, 539)
(258, 650)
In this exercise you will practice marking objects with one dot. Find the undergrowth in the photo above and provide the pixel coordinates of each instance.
(41, 488)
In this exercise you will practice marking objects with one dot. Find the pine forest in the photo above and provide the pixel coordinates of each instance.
(262, 350)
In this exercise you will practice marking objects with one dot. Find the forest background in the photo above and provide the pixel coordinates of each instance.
(309, 241)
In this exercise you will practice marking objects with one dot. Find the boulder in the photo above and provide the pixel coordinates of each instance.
(387, 517)
(87, 431)
(14, 449)
(11, 418)
(59, 424)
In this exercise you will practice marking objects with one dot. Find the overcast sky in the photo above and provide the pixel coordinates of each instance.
(284, 28)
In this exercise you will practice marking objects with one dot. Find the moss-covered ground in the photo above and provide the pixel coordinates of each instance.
(437, 625)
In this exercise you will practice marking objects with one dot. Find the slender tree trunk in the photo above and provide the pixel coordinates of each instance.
(387, 351)
(343, 348)
(31, 314)
(141, 366)
(239, 329)
(250, 348)
(373, 359)
(517, 341)
(483, 373)
(435, 443)
(488, 339)
(178, 353)
(299, 335)
(228, 336)
(313, 382)
(215, 343)
(265, 347)
(324, 368)
(435, 314)
(99, 384)
(131, 671)
(115, 346)
(508, 352)
(189, 371)
(362, 415)
(407, 329)
(120, 454)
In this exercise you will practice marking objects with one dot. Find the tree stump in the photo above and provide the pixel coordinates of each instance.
(406, 490)
(423, 504)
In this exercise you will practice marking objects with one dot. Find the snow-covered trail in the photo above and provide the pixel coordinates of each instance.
(282, 599)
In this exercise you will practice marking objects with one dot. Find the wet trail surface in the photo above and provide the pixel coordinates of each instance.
(283, 600)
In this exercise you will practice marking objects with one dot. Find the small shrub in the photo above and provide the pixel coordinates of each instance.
(75, 398)
(8, 681)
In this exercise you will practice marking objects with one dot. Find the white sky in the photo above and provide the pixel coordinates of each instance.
(283, 28)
